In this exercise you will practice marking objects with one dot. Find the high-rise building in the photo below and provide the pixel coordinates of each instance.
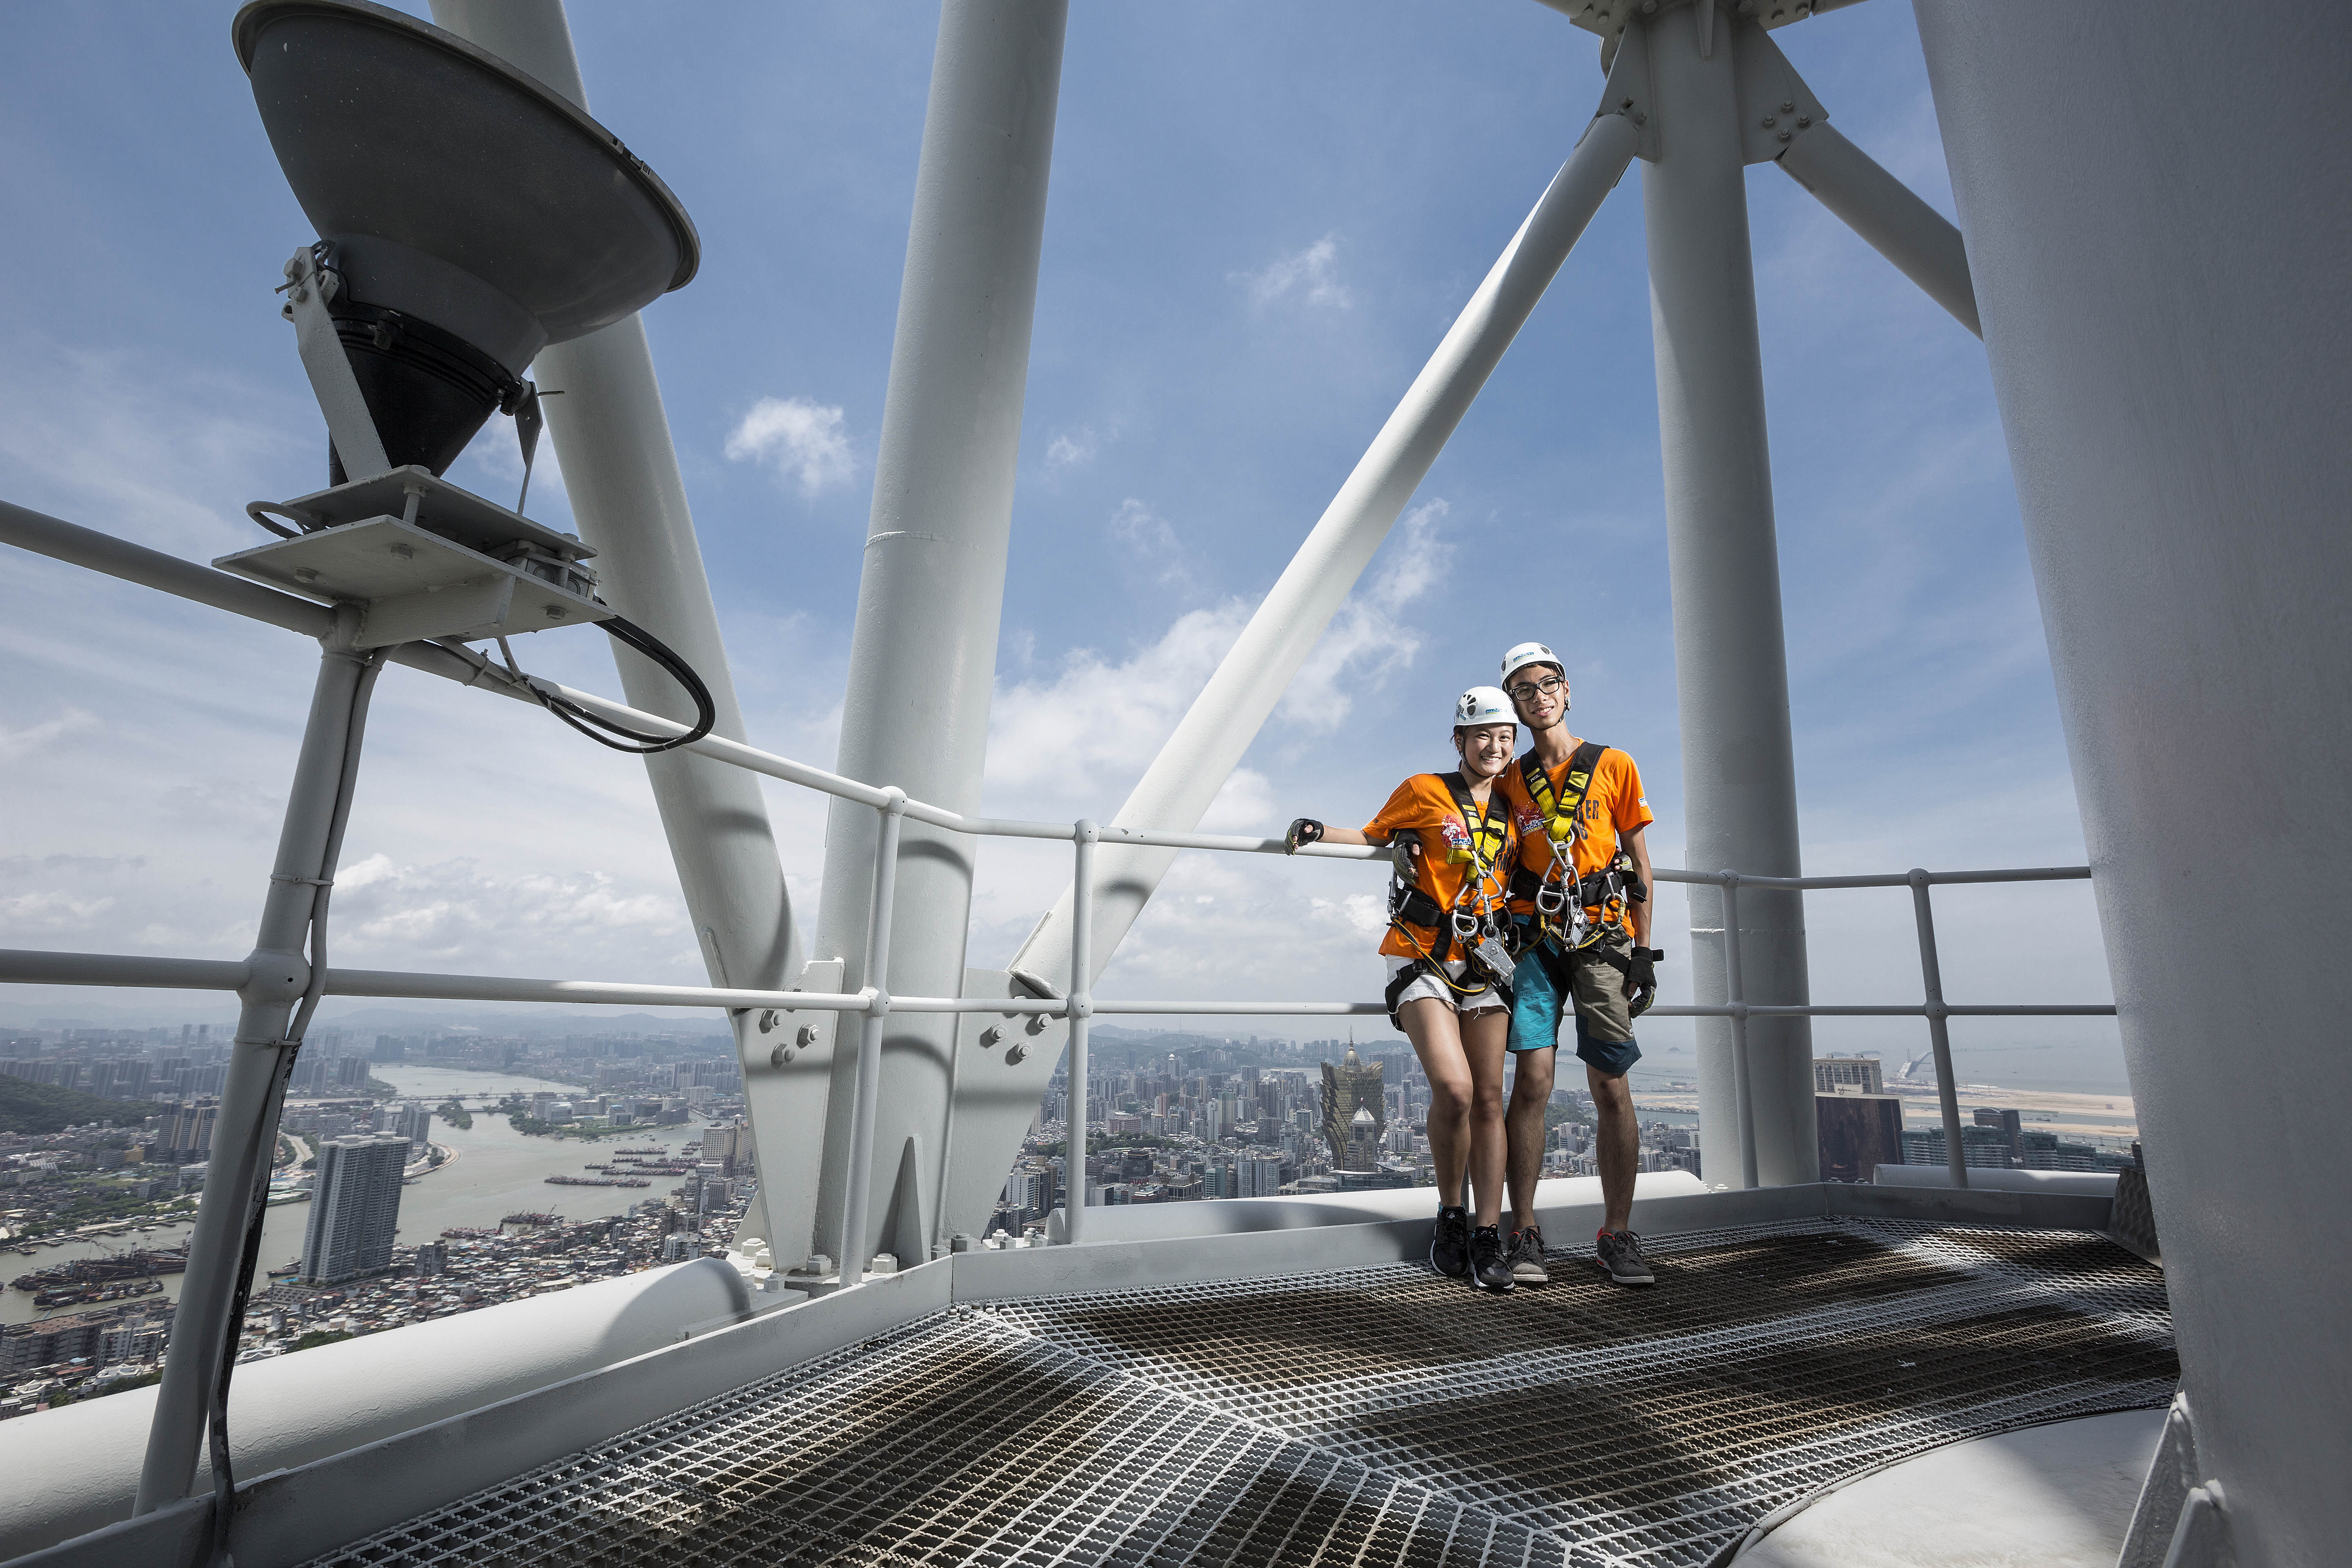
(413, 1121)
(2009, 1125)
(354, 1206)
(1864, 1074)
(1350, 1086)
(186, 1135)
(1261, 1176)
(1985, 1146)
(1858, 1134)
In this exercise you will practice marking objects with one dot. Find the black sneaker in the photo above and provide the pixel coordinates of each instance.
(1621, 1257)
(1526, 1256)
(1449, 1244)
(1490, 1263)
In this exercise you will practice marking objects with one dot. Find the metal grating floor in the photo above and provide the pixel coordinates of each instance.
(1372, 1418)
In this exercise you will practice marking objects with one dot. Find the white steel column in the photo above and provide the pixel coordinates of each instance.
(923, 655)
(1739, 792)
(1215, 731)
(620, 466)
(2159, 222)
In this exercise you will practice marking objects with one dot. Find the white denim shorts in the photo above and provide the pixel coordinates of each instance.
(1485, 1000)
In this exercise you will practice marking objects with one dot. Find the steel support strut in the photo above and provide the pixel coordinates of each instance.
(620, 468)
(1939, 1033)
(245, 1130)
(1731, 668)
(1073, 1136)
(866, 1093)
(1197, 759)
(1921, 241)
(923, 653)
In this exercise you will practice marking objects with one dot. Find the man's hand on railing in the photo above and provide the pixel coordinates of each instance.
(1306, 830)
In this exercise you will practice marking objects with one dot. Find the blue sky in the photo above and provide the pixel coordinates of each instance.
(1261, 220)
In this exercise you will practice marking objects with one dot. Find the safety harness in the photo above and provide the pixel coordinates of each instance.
(1559, 897)
(1478, 925)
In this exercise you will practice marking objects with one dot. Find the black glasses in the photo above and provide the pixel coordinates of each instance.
(1527, 690)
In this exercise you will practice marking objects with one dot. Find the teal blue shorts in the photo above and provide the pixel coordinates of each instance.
(1549, 983)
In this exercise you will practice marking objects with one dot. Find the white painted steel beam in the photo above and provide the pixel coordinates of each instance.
(1217, 729)
(620, 468)
(1730, 661)
(2157, 228)
(923, 652)
(1921, 241)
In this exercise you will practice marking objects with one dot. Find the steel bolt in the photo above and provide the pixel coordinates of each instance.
(1016, 1054)
(1789, 107)
(769, 1019)
(805, 1036)
(1785, 135)
(1769, 121)
(1036, 1025)
(1804, 121)
(780, 1056)
(991, 1038)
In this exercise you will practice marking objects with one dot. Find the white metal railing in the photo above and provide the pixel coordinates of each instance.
(873, 1002)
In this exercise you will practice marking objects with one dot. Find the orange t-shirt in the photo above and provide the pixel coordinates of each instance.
(1424, 807)
(1614, 804)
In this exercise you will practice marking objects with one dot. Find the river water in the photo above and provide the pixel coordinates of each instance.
(497, 1172)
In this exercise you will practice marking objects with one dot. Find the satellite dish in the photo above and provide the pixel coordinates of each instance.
(473, 214)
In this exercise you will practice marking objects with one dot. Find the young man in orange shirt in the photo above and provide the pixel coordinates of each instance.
(1580, 899)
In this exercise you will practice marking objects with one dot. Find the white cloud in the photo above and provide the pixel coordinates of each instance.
(459, 912)
(1314, 271)
(1092, 726)
(802, 441)
(1153, 543)
(1072, 447)
(154, 452)
(1369, 639)
(23, 743)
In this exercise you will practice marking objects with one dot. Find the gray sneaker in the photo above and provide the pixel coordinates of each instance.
(1490, 1268)
(1526, 1256)
(1620, 1255)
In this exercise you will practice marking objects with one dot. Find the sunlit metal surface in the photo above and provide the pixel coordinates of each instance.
(1373, 1416)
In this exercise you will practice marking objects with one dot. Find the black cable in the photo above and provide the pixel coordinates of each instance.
(597, 728)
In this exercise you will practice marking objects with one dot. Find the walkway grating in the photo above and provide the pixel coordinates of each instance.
(1367, 1418)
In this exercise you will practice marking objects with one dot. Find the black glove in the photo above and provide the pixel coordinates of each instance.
(1306, 830)
(1642, 979)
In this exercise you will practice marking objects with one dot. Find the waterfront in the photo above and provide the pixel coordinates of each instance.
(497, 1172)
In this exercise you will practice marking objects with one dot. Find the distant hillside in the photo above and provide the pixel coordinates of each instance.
(45, 1108)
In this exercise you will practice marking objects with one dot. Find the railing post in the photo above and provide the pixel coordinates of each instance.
(1080, 1003)
(1736, 997)
(1939, 1033)
(854, 1253)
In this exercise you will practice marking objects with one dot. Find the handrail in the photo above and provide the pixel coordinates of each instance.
(152, 569)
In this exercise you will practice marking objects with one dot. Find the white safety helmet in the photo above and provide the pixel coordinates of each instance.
(1483, 705)
(1528, 653)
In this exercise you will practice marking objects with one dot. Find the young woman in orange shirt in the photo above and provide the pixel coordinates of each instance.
(1449, 975)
